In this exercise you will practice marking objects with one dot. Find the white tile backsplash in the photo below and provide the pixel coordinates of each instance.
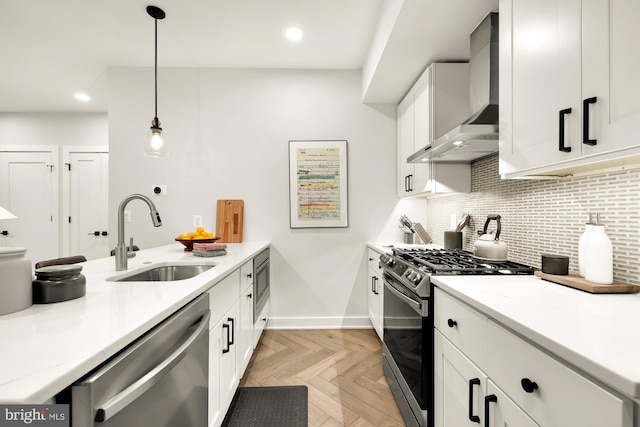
(548, 216)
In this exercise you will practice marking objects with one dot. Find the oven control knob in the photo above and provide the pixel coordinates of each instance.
(413, 277)
(387, 260)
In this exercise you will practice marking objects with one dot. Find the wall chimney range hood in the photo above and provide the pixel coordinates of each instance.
(478, 135)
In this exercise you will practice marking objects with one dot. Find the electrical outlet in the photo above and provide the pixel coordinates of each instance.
(197, 220)
(159, 190)
(453, 223)
(127, 216)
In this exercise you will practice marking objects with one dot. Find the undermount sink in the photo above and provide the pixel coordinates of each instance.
(164, 273)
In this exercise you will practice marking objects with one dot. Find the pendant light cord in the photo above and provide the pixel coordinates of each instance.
(156, 69)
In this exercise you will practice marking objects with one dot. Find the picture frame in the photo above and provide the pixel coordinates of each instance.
(318, 185)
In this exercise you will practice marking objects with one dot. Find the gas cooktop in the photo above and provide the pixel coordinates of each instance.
(413, 267)
(457, 261)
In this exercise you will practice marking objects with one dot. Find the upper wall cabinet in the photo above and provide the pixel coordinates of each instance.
(569, 86)
(437, 103)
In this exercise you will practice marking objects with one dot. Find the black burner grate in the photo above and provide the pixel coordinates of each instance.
(456, 261)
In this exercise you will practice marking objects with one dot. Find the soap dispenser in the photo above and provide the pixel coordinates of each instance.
(582, 247)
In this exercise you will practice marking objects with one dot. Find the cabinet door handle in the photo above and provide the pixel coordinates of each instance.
(226, 350)
(410, 183)
(375, 281)
(472, 382)
(233, 330)
(249, 276)
(4, 233)
(528, 385)
(585, 121)
(561, 145)
(452, 323)
(406, 183)
(487, 401)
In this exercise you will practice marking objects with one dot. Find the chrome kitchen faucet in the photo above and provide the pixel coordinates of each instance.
(122, 254)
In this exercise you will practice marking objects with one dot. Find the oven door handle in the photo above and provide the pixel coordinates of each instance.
(416, 306)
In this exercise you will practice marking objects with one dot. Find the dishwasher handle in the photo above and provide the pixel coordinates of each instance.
(123, 399)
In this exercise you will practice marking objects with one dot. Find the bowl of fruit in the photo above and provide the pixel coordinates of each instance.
(198, 236)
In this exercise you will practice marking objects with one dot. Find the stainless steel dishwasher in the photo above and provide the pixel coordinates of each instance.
(160, 380)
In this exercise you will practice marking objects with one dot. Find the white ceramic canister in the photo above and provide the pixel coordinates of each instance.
(582, 248)
(15, 280)
(599, 267)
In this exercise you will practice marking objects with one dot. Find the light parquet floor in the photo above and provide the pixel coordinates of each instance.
(341, 368)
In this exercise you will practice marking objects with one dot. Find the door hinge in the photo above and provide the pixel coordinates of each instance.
(50, 168)
(69, 220)
(68, 166)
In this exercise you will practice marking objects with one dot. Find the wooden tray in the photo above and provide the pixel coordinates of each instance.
(573, 280)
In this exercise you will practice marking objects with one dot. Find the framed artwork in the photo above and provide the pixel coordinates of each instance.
(318, 184)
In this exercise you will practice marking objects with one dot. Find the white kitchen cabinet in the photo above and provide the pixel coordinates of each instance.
(459, 386)
(551, 392)
(224, 372)
(229, 357)
(480, 366)
(260, 323)
(568, 85)
(436, 103)
(375, 290)
(246, 316)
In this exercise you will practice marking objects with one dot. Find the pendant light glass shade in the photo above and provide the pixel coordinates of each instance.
(155, 143)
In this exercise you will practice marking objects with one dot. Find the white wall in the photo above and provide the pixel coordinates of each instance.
(229, 131)
(53, 129)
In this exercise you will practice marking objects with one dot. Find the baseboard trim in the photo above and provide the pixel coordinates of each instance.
(319, 323)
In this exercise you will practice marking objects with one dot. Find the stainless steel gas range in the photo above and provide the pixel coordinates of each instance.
(408, 320)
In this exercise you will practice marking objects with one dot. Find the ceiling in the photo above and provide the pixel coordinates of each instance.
(53, 49)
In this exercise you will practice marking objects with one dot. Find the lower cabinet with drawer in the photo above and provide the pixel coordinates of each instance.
(486, 375)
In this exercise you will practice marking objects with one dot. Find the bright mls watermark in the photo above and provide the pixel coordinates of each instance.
(34, 415)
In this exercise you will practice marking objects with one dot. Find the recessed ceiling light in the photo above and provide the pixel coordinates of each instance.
(82, 97)
(294, 34)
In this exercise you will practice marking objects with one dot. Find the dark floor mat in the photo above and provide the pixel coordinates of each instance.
(268, 407)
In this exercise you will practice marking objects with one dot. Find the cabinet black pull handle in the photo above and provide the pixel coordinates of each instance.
(406, 183)
(585, 121)
(105, 233)
(452, 323)
(4, 233)
(233, 330)
(472, 382)
(249, 276)
(370, 259)
(487, 401)
(410, 183)
(528, 385)
(375, 280)
(561, 145)
(226, 350)
(249, 296)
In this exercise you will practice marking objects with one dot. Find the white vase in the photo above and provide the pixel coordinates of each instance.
(599, 250)
(582, 249)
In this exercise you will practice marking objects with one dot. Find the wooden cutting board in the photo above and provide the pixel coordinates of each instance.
(575, 281)
(229, 216)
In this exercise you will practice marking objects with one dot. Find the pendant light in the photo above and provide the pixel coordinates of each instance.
(155, 143)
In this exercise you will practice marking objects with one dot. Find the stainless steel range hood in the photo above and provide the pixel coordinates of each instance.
(478, 135)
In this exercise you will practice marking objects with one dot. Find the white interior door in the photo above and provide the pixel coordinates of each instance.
(29, 191)
(87, 200)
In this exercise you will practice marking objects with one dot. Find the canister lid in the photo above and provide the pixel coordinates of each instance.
(12, 251)
(58, 271)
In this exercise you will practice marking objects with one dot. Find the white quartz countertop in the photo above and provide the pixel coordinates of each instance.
(47, 347)
(599, 334)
